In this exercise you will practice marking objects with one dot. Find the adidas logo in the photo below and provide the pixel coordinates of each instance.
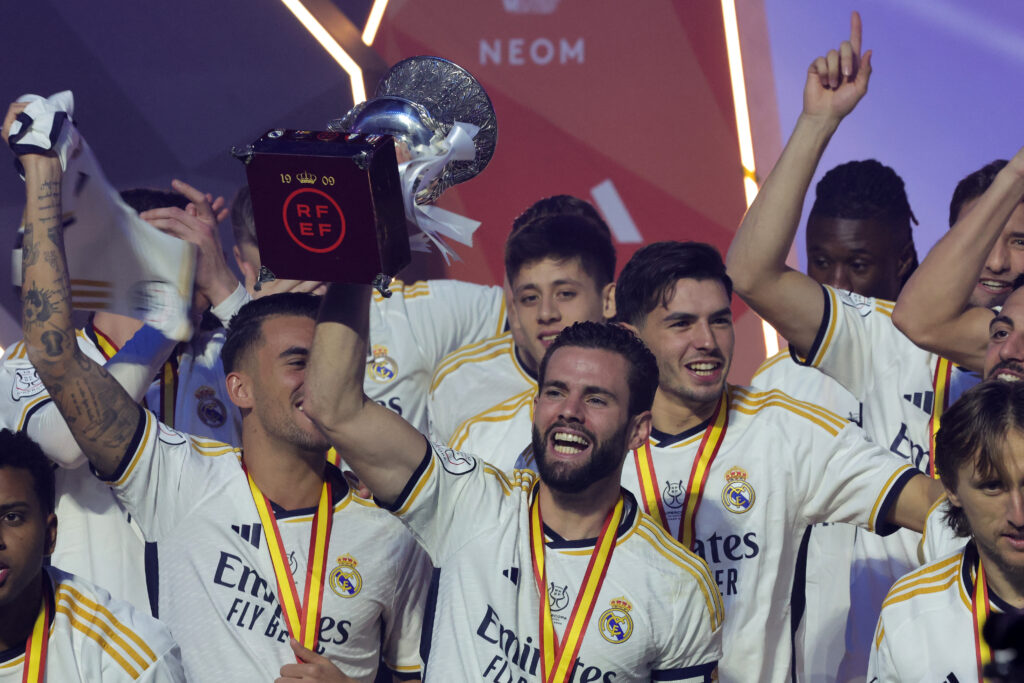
(921, 400)
(250, 532)
(512, 574)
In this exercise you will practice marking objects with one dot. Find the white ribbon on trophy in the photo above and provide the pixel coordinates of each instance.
(427, 164)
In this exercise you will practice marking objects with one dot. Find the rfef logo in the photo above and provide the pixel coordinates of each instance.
(314, 220)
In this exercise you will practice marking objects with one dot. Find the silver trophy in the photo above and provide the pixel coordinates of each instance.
(445, 130)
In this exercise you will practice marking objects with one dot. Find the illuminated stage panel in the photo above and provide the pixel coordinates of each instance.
(587, 93)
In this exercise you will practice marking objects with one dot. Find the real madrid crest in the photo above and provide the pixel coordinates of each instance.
(210, 409)
(738, 494)
(345, 579)
(615, 623)
(382, 368)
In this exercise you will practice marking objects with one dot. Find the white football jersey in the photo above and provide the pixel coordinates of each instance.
(413, 330)
(482, 397)
(217, 587)
(783, 464)
(95, 639)
(926, 629)
(858, 346)
(827, 550)
(657, 614)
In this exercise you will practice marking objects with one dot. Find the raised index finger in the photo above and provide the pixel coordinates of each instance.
(197, 198)
(855, 32)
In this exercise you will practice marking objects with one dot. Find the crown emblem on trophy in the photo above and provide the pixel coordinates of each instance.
(306, 178)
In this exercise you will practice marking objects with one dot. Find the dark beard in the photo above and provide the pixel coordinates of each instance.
(575, 477)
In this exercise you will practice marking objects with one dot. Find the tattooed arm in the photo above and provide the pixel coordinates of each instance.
(100, 413)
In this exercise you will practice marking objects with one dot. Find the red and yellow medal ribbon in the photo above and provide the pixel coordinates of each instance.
(650, 491)
(980, 609)
(303, 619)
(557, 659)
(940, 387)
(35, 648)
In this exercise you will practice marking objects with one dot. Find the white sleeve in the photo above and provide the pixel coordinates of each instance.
(447, 314)
(403, 619)
(854, 330)
(451, 498)
(844, 476)
(695, 655)
(881, 668)
(164, 476)
(167, 669)
(227, 309)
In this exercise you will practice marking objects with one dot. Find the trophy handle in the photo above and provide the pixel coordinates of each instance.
(382, 283)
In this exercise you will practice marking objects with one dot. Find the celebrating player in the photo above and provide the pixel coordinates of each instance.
(736, 473)
(859, 239)
(932, 308)
(849, 337)
(932, 619)
(55, 626)
(237, 536)
(554, 578)
(560, 265)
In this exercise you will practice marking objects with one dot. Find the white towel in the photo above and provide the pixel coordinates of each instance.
(117, 261)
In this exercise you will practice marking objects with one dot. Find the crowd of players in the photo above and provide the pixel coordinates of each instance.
(594, 501)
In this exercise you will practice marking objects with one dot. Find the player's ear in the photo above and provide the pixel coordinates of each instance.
(240, 389)
(639, 429)
(51, 534)
(608, 300)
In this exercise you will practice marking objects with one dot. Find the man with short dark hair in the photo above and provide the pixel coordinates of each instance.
(560, 266)
(931, 621)
(557, 577)
(55, 626)
(738, 473)
(253, 573)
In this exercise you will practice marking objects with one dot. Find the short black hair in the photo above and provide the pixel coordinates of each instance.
(144, 198)
(18, 451)
(975, 428)
(643, 367)
(650, 277)
(561, 228)
(243, 224)
(864, 190)
(972, 186)
(245, 330)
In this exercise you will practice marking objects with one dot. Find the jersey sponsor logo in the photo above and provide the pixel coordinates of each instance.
(250, 532)
(345, 580)
(738, 494)
(674, 494)
(250, 610)
(455, 462)
(382, 368)
(210, 409)
(558, 597)
(904, 447)
(615, 624)
(854, 300)
(716, 549)
(518, 660)
(26, 383)
(921, 399)
(394, 403)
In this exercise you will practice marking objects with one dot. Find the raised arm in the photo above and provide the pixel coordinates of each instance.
(100, 413)
(792, 301)
(380, 446)
(932, 309)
